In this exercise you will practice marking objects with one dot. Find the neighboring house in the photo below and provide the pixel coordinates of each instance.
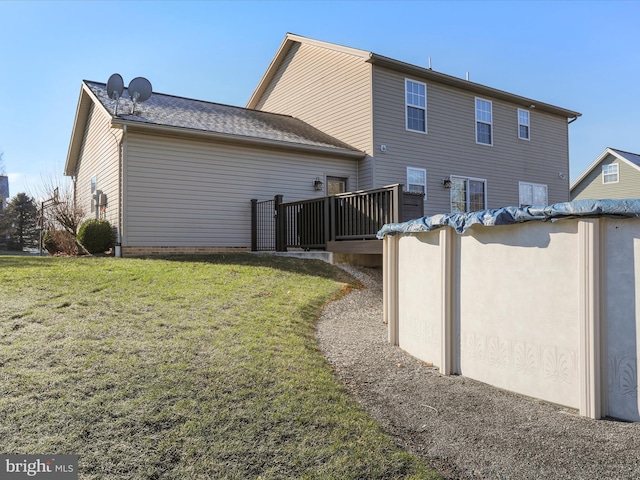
(465, 145)
(614, 174)
(178, 175)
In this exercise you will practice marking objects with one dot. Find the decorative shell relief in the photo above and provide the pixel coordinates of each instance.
(547, 361)
(623, 375)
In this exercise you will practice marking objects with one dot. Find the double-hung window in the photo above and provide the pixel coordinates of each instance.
(416, 105)
(523, 124)
(468, 194)
(532, 194)
(484, 121)
(610, 173)
(417, 180)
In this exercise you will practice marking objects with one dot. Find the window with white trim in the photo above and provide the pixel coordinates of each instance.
(417, 180)
(523, 124)
(416, 105)
(468, 194)
(533, 194)
(610, 173)
(484, 121)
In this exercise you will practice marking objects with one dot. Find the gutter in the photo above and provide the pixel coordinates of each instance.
(239, 139)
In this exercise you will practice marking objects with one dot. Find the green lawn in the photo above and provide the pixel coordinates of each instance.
(181, 368)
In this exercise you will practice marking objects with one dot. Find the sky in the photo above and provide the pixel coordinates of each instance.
(579, 55)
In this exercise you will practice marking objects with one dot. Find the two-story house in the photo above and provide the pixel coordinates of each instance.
(465, 145)
(177, 175)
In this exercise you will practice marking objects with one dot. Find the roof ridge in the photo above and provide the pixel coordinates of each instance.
(624, 151)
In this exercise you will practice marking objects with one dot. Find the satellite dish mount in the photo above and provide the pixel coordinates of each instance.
(139, 90)
(115, 86)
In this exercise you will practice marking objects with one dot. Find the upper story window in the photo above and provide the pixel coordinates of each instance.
(533, 194)
(610, 173)
(523, 124)
(484, 121)
(417, 180)
(416, 104)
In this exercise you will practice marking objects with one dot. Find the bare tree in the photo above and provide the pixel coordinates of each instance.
(61, 210)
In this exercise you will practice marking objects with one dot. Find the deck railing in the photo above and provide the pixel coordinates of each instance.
(311, 224)
(359, 215)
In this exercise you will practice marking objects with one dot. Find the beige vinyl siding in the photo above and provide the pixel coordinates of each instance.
(183, 192)
(328, 89)
(366, 177)
(450, 148)
(591, 186)
(99, 157)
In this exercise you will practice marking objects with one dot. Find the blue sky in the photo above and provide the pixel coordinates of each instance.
(583, 56)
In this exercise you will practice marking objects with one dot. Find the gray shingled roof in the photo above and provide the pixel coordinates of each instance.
(632, 157)
(168, 110)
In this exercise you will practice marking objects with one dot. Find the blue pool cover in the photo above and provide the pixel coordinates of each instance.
(460, 222)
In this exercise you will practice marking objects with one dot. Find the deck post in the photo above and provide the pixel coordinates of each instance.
(400, 217)
(254, 224)
(281, 224)
(333, 218)
(326, 234)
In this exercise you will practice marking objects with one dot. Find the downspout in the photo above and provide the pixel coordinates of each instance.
(568, 162)
(118, 251)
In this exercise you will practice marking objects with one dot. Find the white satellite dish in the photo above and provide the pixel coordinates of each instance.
(115, 86)
(139, 90)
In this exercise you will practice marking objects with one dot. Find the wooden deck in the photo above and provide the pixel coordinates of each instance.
(345, 223)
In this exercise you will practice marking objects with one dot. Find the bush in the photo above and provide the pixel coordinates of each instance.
(96, 236)
(59, 242)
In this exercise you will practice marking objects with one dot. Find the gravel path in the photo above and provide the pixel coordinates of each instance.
(464, 428)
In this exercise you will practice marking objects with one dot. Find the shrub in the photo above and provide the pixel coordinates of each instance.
(96, 236)
(59, 242)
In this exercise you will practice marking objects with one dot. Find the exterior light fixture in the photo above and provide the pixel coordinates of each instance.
(446, 182)
(317, 184)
